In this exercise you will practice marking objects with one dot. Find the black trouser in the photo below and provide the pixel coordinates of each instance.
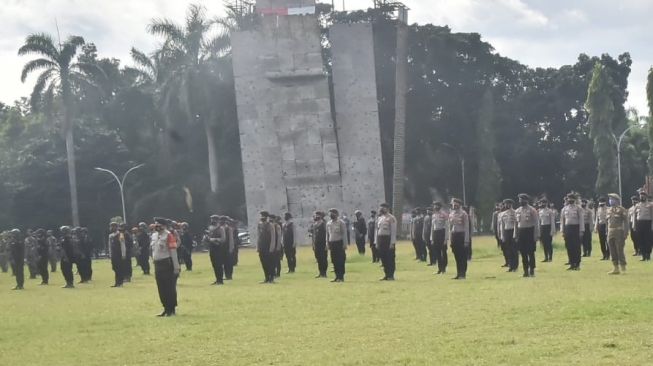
(360, 243)
(291, 257)
(267, 265)
(338, 258)
(128, 265)
(217, 261)
(431, 252)
(85, 269)
(603, 240)
(635, 239)
(32, 268)
(166, 283)
(420, 249)
(572, 242)
(459, 252)
(4, 263)
(375, 252)
(228, 265)
(43, 269)
(234, 258)
(144, 257)
(18, 267)
(512, 249)
(387, 254)
(278, 257)
(67, 271)
(547, 241)
(587, 241)
(469, 248)
(321, 256)
(53, 263)
(526, 244)
(440, 249)
(118, 265)
(644, 236)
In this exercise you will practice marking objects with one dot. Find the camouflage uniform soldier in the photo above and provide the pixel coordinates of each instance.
(589, 228)
(618, 225)
(31, 254)
(54, 251)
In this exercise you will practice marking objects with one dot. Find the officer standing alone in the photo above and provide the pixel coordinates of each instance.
(527, 233)
(618, 225)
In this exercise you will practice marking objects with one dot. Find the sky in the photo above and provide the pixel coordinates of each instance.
(538, 33)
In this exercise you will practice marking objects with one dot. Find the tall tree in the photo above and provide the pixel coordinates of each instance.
(649, 94)
(60, 76)
(488, 186)
(193, 54)
(601, 110)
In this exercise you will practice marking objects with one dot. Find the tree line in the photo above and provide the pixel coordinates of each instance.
(543, 131)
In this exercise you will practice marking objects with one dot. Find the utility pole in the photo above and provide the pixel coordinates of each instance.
(401, 87)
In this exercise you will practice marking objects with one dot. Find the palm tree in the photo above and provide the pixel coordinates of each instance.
(60, 76)
(193, 57)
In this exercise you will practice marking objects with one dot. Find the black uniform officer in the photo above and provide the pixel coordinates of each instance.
(42, 249)
(118, 249)
(371, 235)
(265, 246)
(17, 258)
(143, 241)
(186, 247)
(67, 256)
(289, 246)
(216, 241)
(360, 230)
(318, 233)
(86, 256)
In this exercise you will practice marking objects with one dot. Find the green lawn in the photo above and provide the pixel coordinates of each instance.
(492, 318)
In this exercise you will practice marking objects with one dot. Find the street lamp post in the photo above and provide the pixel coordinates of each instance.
(121, 184)
(619, 141)
(461, 158)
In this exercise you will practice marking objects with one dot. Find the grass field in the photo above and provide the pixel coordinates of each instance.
(492, 318)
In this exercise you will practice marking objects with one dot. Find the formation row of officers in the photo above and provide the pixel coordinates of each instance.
(517, 231)
(329, 238)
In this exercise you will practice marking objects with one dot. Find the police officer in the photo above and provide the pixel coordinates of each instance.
(265, 246)
(617, 221)
(118, 250)
(643, 221)
(143, 241)
(527, 233)
(360, 230)
(498, 208)
(631, 217)
(600, 225)
(318, 236)
(440, 236)
(386, 238)
(67, 255)
(4, 251)
(426, 236)
(413, 232)
(288, 239)
(588, 219)
(17, 258)
(42, 250)
(371, 230)
(507, 226)
(547, 229)
(572, 222)
(166, 266)
(54, 251)
(336, 230)
(216, 238)
(459, 236)
(278, 245)
(230, 248)
(86, 256)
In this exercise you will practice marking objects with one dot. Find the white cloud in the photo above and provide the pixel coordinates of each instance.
(535, 32)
